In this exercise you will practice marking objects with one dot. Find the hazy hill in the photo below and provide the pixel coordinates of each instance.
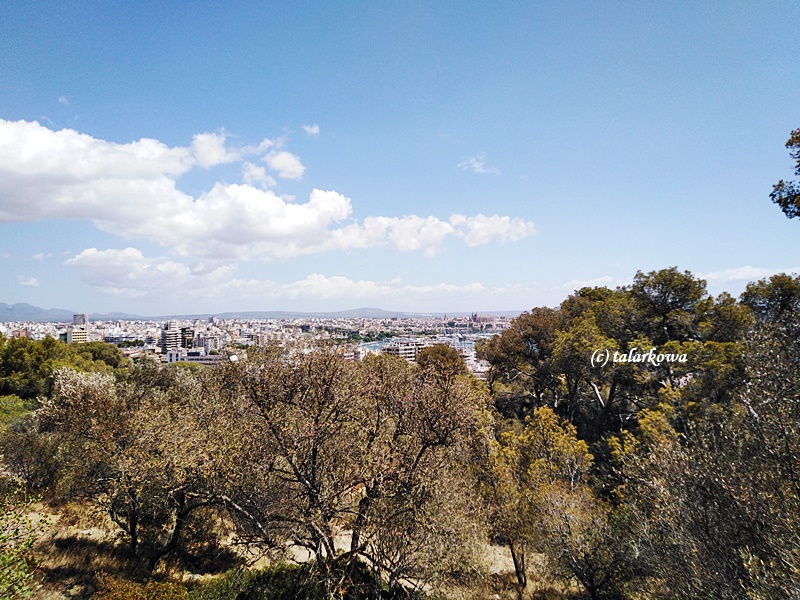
(28, 312)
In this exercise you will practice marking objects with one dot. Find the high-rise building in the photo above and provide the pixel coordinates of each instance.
(170, 337)
(187, 337)
(81, 320)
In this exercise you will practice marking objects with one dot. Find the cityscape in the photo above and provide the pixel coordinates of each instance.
(210, 340)
(399, 300)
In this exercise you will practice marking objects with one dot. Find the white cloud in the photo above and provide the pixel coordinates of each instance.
(63, 157)
(480, 229)
(477, 164)
(401, 233)
(429, 233)
(242, 221)
(209, 150)
(42, 255)
(28, 281)
(603, 281)
(312, 130)
(128, 272)
(743, 274)
(286, 164)
(321, 287)
(130, 190)
(257, 176)
(63, 100)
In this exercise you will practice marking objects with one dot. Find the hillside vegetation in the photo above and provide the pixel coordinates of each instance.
(632, 443)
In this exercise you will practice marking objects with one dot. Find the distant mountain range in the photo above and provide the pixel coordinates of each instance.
(28, 312)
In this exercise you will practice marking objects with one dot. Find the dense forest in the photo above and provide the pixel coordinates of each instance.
(294, 473)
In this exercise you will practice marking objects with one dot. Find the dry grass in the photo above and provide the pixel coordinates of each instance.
(81, 549)
(75, 550)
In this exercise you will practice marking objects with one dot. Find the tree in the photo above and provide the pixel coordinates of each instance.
(786, 194)
(103, 352)
(442, 362)
(521, 377)
(27, 366)
(563, 358)
(132, 447)
(713, 501)
(325, 445)
(774, 299)
(539, 500)
(668, 300)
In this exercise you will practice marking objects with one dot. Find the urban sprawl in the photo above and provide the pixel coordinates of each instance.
(207, 341)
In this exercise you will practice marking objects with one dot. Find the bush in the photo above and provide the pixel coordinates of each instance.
(114, 588)
(291, 582)
(17, 534)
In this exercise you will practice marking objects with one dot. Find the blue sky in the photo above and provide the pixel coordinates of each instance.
(421, 156)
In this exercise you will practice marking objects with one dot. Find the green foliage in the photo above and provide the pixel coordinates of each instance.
(12, 407)
(442, 363)
(545, 357)
(774, 299)
(17, 534)
(116, 588)
(31, 454)
(633, 480)
(27, 366)
(786, 194)
(130, 344)
(712, 502)
(102, 352)
(667, 301)
(539, 498)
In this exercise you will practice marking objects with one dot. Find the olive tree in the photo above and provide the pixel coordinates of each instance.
(329, 449)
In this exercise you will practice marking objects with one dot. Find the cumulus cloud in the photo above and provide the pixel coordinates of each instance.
(477, 164)
(130, 190)
(257, 176)
(285, 164)
(41, 255)
(209, 150)
(128, 272)
(400, 233)
(28, 150)
(480, 229)
(312, 130)
(28, 281)
(429, 233)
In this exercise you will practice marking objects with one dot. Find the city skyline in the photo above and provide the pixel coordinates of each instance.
(419, 157)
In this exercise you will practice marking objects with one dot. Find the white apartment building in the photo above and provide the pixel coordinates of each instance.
(407, 349)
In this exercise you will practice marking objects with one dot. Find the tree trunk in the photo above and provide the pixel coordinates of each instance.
(181, 513)
(133, 520)
(518, 556)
